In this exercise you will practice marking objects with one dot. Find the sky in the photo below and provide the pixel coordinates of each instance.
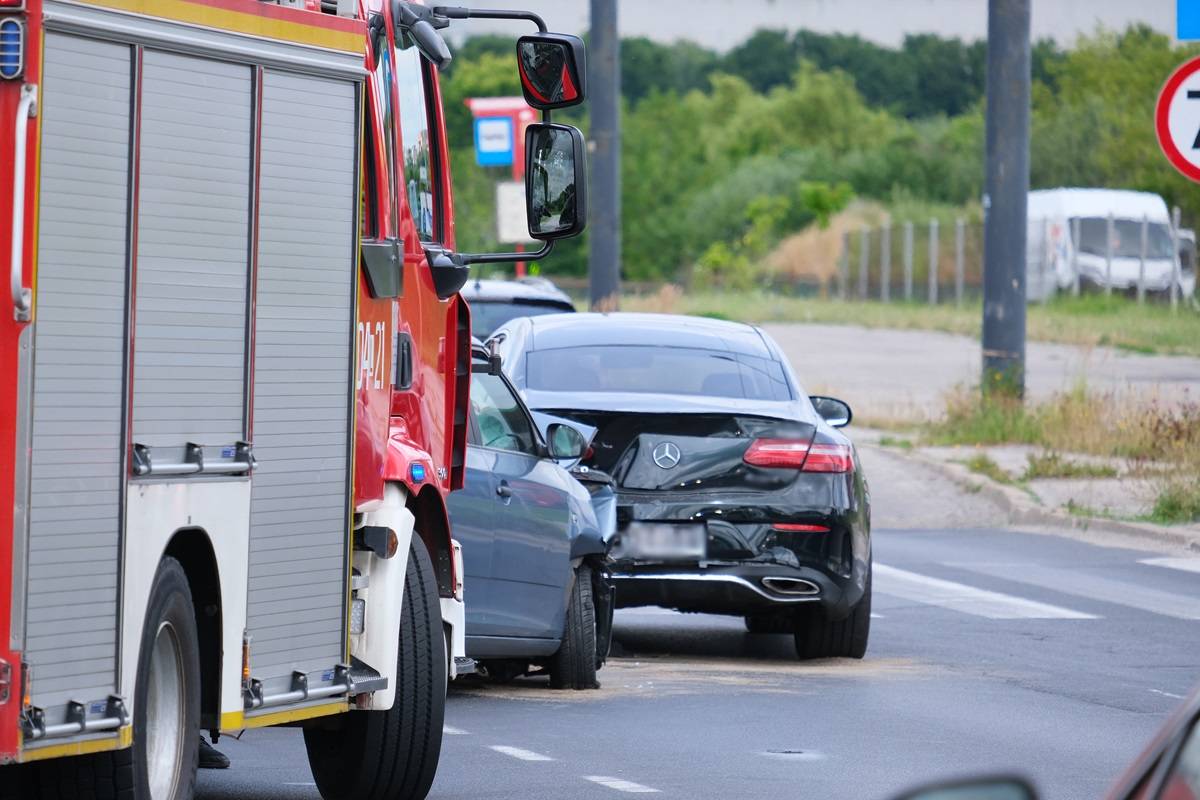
(721, 24)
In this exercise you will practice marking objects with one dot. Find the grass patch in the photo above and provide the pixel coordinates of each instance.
(1081, 510)
(892, 441)
(1090, 320)
(1159, 443)
(1053, 465)
(1076, 421)
(1178, 501)
(982, 464)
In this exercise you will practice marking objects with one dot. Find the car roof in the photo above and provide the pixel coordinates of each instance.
(667, 330)
(488, 290)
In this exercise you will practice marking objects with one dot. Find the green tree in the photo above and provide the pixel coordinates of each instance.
(766, 60)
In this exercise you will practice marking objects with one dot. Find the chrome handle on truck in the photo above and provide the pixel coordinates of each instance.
(22, 298)
(194, 463)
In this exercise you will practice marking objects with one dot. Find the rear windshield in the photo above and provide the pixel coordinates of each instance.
(487, 317)
(656, 370)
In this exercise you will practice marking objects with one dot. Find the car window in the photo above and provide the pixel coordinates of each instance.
(487, 316)
(1126, 238)
(661, 370)
(1182, 781)
(419, 186)
(501, 421)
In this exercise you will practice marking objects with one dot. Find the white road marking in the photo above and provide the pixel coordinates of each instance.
(516, 752)
(304, 783)
(967, 599)
(793, 755)
(1074, 582)
(876, 616)
(620, 784)
(1185, 564)
(1166, 694)
(450, 730)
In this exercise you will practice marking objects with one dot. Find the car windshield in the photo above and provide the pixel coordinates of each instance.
(1126, 238)
(656, 370)
(488, 316)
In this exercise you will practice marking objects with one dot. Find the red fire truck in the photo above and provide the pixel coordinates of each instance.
(234, 383)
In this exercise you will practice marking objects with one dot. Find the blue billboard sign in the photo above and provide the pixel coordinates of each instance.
(493, 141)
(1187, 20)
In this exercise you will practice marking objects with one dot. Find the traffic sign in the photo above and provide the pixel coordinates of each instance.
(1177, 119)
(493, 141)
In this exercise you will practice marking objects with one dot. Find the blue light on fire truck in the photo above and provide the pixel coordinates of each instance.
(12, 48)
(417, 472)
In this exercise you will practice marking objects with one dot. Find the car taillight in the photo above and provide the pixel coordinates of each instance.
(799, 454)
(829, 458)
(798, 527)
(783, 453)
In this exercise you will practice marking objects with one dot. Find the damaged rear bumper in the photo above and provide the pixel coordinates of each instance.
(746, 588)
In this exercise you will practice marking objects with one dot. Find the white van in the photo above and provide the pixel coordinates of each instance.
(1052, 248)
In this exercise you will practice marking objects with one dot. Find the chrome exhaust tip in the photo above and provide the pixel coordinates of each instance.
(795, 586)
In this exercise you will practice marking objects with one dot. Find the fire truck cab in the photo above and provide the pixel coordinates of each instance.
(235, 376)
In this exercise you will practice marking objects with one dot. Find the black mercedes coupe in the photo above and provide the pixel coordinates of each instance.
(736, 492)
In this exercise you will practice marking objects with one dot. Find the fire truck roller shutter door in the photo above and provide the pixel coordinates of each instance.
(192, 267)
(74, 551)
(302, 378)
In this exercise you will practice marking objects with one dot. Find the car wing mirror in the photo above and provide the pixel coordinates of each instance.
(552, 70)
(564, 442)
(984, 788)
(836, 412)
(555, 181)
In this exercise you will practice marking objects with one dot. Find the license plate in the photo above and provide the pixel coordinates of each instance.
(664, 540)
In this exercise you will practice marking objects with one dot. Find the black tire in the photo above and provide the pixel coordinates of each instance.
(125, 774)
(393, 754)
(819, 637)
(574, 665)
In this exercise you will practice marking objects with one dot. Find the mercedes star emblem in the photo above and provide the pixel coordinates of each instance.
(666, 455)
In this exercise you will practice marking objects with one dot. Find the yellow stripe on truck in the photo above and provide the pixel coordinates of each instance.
(122, 740)
(211, 16)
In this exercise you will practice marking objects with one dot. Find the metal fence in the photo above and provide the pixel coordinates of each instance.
(934, 263)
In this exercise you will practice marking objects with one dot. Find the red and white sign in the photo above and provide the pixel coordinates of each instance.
(1177, 119)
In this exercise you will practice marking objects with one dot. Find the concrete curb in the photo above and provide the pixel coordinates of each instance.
(1021, 509)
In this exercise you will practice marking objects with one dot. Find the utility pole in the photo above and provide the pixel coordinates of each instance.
(604, 85)
(1006, 196)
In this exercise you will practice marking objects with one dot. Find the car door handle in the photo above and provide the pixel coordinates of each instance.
(503, 490)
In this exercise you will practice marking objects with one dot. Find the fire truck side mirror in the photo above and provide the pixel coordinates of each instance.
(553, 70)
(555, 181)
(418, 24)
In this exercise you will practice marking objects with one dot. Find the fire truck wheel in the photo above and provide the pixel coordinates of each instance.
(393, 755)
(574, 665)
(166, 714)
(161, 765)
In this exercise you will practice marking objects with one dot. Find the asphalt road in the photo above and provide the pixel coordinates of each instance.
(992, 650)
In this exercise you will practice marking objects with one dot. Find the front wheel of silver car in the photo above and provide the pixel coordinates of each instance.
(574, 665)
(819, 637)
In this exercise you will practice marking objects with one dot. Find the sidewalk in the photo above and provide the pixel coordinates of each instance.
(1113, 500)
